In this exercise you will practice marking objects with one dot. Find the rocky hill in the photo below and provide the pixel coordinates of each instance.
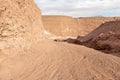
(106, 37)
(68, 26)
(20, 24)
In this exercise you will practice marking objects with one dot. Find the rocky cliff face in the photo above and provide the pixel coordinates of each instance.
(20, 24)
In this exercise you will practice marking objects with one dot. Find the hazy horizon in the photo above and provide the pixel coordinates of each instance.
(80, 8)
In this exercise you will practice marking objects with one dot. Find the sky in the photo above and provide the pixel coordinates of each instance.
(80, 8)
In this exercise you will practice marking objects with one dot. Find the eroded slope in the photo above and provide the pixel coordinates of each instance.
(68, 26)
(20, 24)
(61, 25)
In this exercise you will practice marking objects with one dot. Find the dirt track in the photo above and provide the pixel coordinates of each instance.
(48, 63)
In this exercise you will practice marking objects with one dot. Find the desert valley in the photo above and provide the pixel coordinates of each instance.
(50, 47)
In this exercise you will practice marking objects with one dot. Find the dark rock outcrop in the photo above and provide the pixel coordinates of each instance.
(105, 38)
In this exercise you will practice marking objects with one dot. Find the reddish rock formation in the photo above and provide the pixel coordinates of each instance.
(105, 38)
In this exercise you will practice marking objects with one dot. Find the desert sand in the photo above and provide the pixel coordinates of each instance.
(30, 54)
(49, 60)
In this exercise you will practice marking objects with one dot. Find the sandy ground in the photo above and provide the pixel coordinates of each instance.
(50, 60)
(27, 53)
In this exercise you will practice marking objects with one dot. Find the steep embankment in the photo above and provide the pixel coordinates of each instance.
(106, 37)
(20, 24)
(68, 26)
(61, 25)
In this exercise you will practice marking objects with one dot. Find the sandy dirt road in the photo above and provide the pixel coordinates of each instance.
(60, 61)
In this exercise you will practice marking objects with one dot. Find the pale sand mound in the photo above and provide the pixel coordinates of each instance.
(60, 61)
(20, 25)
